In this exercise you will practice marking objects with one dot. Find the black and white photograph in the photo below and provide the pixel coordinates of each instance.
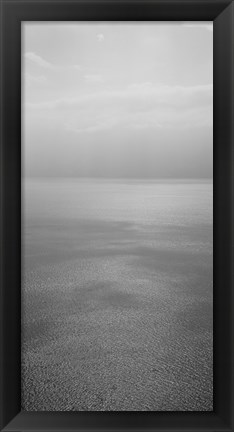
(117, 216)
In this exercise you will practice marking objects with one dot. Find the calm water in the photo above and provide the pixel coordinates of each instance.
(117, 295)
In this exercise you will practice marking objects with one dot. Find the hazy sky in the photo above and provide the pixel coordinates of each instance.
(117, 99)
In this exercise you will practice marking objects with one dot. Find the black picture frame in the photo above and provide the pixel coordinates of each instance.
(13, 12)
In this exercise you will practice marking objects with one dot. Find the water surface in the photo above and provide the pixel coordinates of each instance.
(117, 295)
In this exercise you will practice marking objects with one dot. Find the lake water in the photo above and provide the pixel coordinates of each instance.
(117, 295)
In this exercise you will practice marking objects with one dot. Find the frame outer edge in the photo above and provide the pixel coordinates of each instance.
(1, 221)
(231, 5)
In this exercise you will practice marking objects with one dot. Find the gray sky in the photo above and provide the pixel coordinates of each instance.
(117, 99)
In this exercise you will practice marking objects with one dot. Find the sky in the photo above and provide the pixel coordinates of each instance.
(125, 100)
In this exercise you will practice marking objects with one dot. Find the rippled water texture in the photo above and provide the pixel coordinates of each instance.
(117, 296)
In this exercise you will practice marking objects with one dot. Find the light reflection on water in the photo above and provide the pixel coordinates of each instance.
(146, 203)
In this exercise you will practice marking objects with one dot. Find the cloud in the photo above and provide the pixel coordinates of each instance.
(139, 105)
(93, 78)
(141, 95)
(30, 79)
(96, 127)
(38, 60)
(195, 25)
(77, 67)
(100, 37)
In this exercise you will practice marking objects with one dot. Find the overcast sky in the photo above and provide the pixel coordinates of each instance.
(118, 100)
